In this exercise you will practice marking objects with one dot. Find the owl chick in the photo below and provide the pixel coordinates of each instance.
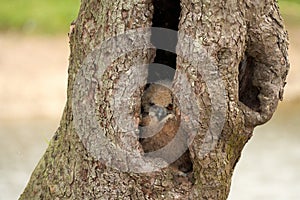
(160, 123)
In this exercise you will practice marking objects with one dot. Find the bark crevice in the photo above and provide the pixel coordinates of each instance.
(248, 92)
(166, 15)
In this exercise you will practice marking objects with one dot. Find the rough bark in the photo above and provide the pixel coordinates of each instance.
(242, 46)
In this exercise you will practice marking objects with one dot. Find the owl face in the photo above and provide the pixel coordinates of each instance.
(157, 112)
(159, 125)
(157, 102)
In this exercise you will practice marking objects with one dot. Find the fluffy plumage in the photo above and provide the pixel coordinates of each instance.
(160, 123)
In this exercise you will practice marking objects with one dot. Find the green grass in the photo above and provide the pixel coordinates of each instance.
(38, 16)
(290, 10)
(288, 1)
(55, 16)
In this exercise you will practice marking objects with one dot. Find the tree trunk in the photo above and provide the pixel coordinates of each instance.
(231, 68)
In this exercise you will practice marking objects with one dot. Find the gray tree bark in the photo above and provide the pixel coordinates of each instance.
(239, 47)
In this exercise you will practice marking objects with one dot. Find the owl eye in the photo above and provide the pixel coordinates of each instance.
(170, 107)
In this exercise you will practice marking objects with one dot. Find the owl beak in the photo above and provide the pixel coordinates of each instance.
(158, 112)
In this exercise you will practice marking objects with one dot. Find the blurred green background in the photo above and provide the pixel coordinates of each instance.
(290, 10)
(54, 16)
(37, 16)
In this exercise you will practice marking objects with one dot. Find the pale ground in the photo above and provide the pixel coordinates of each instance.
(33, 81)
(33, 76)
